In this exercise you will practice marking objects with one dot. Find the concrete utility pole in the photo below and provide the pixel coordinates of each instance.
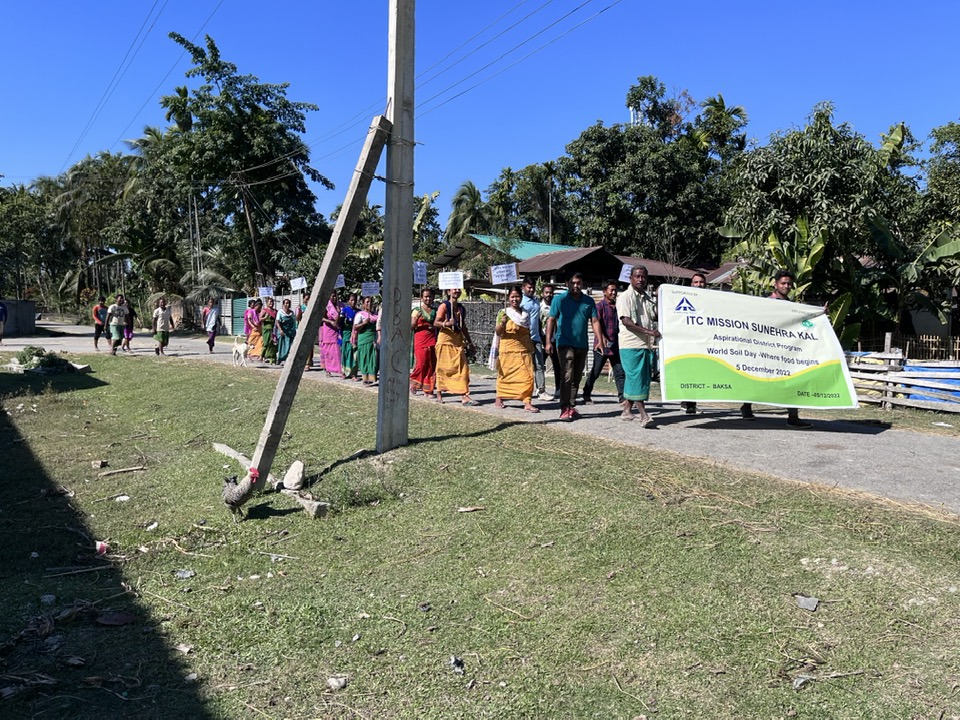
(393, 404)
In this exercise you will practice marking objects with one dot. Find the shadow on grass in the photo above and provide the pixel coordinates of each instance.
(74, 642)
(311, 480)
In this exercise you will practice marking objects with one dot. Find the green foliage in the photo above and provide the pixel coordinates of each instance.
(799, 253)
(37, 357)
(652, 188)
(943, 178)
(825, 204)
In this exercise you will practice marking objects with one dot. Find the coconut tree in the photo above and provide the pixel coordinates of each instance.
(468, 214)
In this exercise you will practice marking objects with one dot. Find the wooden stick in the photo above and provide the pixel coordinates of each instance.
(244, 461)
(107, 473)
(337, 250)
(85, 570)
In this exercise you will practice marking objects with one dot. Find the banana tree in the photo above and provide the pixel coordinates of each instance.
(798, 254)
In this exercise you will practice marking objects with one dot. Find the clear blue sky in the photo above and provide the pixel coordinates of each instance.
(880, 62)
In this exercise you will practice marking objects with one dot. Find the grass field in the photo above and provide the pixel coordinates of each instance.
(588, 581)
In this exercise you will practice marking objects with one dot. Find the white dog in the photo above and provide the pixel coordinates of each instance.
(240, 351)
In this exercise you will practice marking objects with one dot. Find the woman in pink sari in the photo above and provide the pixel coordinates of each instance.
(330, 337)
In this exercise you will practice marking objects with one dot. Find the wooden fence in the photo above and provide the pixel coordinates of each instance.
(915, 347)
(888, 379)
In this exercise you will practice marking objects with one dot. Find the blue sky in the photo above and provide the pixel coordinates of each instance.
(878, 62)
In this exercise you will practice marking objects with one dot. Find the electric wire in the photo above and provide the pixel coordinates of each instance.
(358, 117)
(508, 52)
(517, 62)
(483, 45)
(152, 95)
(114, 81)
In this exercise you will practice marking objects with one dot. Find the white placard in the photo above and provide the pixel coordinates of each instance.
(298, 283)
(340, 282)
(369, 289)
(504, 274)
(265, 292)
(625, 274)
(450, 280)
(419, 272)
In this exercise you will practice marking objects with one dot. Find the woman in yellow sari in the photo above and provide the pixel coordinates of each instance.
(453, 340)
(514, 354)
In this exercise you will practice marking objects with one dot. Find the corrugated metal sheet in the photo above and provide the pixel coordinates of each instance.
(563, 259)
(658, 269)
(516, 249)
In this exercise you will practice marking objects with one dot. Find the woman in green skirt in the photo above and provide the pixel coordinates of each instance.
(348, 352)
(365, 334)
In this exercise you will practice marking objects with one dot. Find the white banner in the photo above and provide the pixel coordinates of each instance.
(504, 274)
(419, 272)
(450, 280)
(725, 347)
(265, 292)
(298, 283)
(369, 289)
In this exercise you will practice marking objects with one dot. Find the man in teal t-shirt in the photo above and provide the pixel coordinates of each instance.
(567, 328)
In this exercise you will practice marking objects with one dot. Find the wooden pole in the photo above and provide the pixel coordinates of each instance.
(393, 401)
(310, 324)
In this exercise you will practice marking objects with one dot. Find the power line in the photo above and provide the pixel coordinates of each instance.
(478, 34)
(508, 52)
(359, 117)
(517, 62)
(173, 67)
(495, 37)
(115, 80)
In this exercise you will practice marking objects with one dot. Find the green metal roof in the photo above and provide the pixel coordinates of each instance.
(520, 250)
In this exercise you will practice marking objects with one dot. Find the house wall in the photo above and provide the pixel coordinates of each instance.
(21, 317)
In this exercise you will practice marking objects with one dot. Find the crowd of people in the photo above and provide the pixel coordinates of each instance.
(527, 331)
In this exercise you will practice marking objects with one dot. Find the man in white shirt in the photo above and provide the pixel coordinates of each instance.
(116, 319)
(638, 335)
(162, 326)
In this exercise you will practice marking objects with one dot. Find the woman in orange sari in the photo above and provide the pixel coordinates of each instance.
(424, 372)
(453, 341)
(514, 354)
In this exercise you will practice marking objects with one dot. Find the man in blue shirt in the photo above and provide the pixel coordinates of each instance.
(610, 322)
(567, 328)
(531, 304)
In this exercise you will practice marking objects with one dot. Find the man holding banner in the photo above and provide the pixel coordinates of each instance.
(638, 336)
(727, 347)
(782, 285)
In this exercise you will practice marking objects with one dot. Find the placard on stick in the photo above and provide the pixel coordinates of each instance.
(341, 282)
(298, 283)
(504, 274)
(369, 289)
(625, 274)
(419, 272)
(450, 280)
(265, 292)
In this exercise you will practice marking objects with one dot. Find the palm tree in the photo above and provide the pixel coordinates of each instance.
(719, 127)
(468, 213)
(178, 109)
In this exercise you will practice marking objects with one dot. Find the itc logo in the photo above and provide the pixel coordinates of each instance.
(685, 306)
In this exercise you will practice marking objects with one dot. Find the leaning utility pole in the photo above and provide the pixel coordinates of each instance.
(393, 403)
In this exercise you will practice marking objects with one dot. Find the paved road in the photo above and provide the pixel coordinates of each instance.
(900, 465)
